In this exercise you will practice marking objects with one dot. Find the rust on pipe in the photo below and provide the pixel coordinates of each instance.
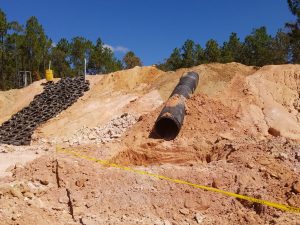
(170, 120)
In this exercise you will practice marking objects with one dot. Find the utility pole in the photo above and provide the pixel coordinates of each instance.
(84, 68)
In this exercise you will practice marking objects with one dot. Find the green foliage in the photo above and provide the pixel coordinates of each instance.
(96, 65)
(102, 60)
(212, 52)
(294, 30)
(110, 63)
(257, 48)
(188, 54)
(131, 60)
(3, 33)
(281, 48)
(231, 50)
(294, 6)
(199, 55)
(60, 58)
(3, 24)
(80, 49)
(30, 49)
(9, 50)
(36, 46)
(174, 62)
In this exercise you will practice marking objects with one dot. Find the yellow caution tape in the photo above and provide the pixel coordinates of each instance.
(231, 194)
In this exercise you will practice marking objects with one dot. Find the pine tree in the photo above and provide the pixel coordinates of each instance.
(231, 49)
(131, 60)
(60, 57)
(36, 46)
(188, 54)
(199, 55)
(174, 62)
(96, 62)
(3, 33)
(294, 30)
(281, 48)
(80, 49)
(257, 48)
(212, 52)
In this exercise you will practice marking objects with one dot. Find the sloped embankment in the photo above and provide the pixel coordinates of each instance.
(240, 134)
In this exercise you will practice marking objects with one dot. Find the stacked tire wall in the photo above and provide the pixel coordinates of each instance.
(55, 98)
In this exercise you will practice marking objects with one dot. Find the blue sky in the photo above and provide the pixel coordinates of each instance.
(150, 28)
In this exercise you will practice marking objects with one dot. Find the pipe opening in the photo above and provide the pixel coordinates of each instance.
(167, 128)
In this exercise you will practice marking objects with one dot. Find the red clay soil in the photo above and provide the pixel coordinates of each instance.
(234, 137)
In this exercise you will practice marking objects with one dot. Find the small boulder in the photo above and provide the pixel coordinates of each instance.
(199, 218)
(296, 187)
(184, 211)
(44, 181)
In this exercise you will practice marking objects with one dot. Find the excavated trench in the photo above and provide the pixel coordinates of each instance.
(55, 98)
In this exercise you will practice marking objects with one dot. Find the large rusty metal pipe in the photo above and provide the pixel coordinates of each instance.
(170, 120)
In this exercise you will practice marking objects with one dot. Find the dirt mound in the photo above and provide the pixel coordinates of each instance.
(255, 107)
(206, 120)
(137, 91)
(240, 134)
(13, 101)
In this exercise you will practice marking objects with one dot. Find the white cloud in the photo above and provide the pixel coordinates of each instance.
(117, 48)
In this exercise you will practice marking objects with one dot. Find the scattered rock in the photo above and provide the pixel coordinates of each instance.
(292, 201)
(106, 133)
(63, 200)
(92, 136)
(227, 136)
(44, 181)
(296, 187)
(80, 183)
(14, 218)
(18, 165)
(274, 132)
(203, 203)
(250, 165)
(89, 204)
(297, 156)
(29, 195)
(190, 203)
(184, 211)
(199, 218)
(167, 222)
(282, 156)
(88, 221)
(216, 183)
(16, 193)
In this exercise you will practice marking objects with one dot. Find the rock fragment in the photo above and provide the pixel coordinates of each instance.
(296, 187)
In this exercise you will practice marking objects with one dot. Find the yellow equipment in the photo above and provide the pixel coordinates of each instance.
(49, 75)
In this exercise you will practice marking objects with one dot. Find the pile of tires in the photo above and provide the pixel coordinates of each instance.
(55, 98)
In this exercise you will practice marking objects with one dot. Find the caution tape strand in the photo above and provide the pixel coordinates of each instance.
(207, 188)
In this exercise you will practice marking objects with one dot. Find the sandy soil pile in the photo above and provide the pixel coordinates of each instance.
(14, 100)
(241, 134)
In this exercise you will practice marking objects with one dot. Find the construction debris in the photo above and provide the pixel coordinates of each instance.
(55, 98)
(106, 133)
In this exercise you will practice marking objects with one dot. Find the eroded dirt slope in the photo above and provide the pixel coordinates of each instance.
(241, 134)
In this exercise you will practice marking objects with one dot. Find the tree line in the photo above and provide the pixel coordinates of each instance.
(257, 49)
(28, 48)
